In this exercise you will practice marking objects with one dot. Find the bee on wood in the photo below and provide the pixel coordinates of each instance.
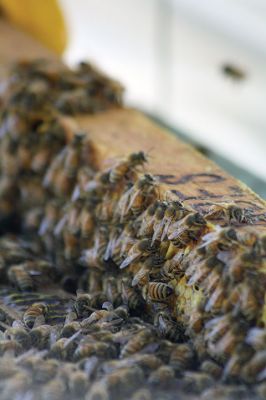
(35, 315)
(137, 197)
(168, 328)
(142, 248)
(228, 212)
(20, 277)
(124, 169)
(163, 377)
(137, 342)
(159, 291)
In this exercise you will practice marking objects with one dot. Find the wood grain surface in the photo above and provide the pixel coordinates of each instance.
(183, 171)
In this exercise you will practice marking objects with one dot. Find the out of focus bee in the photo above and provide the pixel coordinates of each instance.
(191, 229)
(158, 291)
(255, 369)
(212, 368)
(124, 381)
(86, 222)
(256, 337)
(137, 342)
(88, 348)
(20, 335)
(17, 385)
(10, 347)
(168, 328)
(82, 305)
(220, 240)
(163, 377)
(35, 315)
(182, 356)
(98, 391)
(55, 389)
(78, 384)
(8, 368)
(229, 212)
(94, 257)
(196, 382)
(242, 354)
(63, 349)
(142, 394)
(247, 299)
(233, 72)
(70, 329)
(44, 370)
(41, 336)
(20, 277)
(110, 288)
(142, 248)
(125, 168)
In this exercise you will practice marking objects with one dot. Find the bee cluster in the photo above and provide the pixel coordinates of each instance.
(107, 289)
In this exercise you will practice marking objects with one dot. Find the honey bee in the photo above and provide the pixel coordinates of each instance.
(41, 336)
(131, 296)
(98, 391)
(35, 315)
(142, 248)
(212, 368)
(191, 229)
(159, 291)
(94, 348)
(141, 277)
(223, 239)
(142, 394)
(256, 337)
(137, 198)
(196, 382)
(87, 222)
(254, 370)
(55, 389)
(70, 329)
(147, 220)
(10, 347)
(124, 169)
(111, 290)
(159, 220)
(44, 371)
(94, 257)
(20, 277)
(124, 381)
(168, 328)
(229, 212)
(82, 305)
(162, 377)
(182, 356)
(137, 342)
(20, 335)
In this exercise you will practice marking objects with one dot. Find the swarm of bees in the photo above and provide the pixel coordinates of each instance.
(109, 290)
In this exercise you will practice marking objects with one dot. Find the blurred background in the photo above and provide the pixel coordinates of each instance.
(196, 67)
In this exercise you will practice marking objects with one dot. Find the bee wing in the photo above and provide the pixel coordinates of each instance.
(40, 320)
(158, 230)
(110, 248)
(167, 224)
(60, 225)
(132, 198)
(128, 260)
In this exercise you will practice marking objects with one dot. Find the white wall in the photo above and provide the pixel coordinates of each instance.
(169, 54)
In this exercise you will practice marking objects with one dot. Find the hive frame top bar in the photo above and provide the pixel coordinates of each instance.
(183, 172)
